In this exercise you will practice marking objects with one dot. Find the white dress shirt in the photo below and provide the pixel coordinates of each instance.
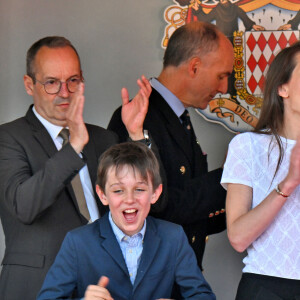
(85, 179)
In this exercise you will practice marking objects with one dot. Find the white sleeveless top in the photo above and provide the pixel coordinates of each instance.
(277, 251)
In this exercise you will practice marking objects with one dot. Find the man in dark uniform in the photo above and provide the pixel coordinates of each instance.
(197, 63)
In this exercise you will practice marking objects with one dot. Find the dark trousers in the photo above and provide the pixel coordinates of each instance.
(261, 287)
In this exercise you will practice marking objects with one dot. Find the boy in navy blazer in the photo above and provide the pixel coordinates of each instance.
(126, 254)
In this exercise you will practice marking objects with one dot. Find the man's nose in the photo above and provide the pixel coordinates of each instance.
(223, 86)
(64, 92)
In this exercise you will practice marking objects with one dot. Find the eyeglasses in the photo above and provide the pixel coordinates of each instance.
(53, 86)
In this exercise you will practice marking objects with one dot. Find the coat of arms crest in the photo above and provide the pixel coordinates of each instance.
(258, 30)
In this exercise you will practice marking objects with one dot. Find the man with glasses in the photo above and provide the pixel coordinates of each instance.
(41, 195)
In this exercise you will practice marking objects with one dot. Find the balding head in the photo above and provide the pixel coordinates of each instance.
(197, 64)
(193, 39)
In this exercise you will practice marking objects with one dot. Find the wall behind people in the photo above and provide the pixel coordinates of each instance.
(117, 42)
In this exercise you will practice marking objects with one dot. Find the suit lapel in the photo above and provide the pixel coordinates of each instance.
(110, 243)
(172, 123)
(40, 133)
(150, 248)
(43, 137)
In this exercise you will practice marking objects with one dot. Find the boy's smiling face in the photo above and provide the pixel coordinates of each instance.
(129, 198)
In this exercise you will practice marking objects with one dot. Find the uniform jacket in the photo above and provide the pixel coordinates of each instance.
(196, 200)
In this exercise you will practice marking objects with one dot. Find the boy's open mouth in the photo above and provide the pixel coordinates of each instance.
(130, 214)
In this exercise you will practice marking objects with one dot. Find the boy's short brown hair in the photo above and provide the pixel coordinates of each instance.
(134, 154)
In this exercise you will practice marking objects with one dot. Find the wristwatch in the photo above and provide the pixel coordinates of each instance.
(146, 139)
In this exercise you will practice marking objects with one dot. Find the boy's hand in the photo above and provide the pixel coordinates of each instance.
(96, 292)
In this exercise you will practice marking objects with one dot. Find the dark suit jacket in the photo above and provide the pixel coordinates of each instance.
(91, 251)
(37, 203)
(195, 196)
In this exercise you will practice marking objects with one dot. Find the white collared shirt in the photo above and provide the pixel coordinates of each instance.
(85, 179)
(131, 247)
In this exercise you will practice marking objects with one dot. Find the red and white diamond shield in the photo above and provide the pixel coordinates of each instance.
(274, 25)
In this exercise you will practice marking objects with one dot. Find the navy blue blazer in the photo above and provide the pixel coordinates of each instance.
(91, 251)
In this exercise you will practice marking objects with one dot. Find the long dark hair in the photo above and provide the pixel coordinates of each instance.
(272, 112)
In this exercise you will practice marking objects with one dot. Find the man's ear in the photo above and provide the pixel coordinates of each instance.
(156, 194)
(101, 195)
(194, 66)
(28, 83)
(283, 91)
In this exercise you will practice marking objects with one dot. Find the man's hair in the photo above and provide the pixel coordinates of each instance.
(192, 39)
(133, 154)
(50, 42)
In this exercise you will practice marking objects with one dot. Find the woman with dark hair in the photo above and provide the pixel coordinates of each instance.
(262, 177)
